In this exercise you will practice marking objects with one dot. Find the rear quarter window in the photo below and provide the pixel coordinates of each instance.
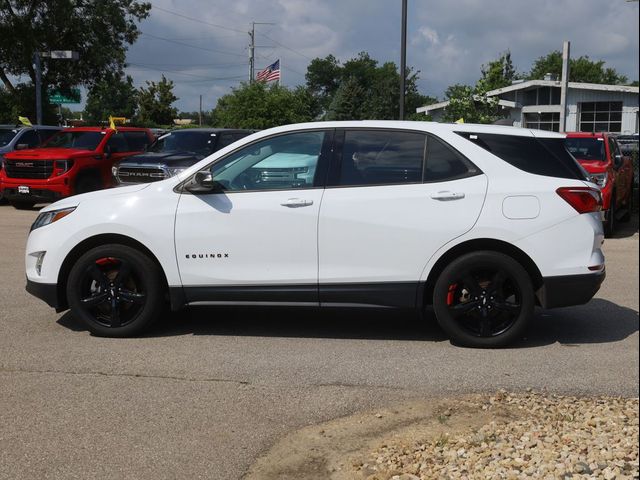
(541, 156)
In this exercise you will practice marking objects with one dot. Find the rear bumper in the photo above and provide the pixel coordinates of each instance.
(568, 290)
(44, 291)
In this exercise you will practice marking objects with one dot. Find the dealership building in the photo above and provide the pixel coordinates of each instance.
(590, 107)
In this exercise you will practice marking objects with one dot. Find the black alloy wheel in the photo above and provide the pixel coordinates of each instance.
(483, 299)
(115, 290)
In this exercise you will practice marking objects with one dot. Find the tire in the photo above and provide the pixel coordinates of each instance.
(22, 205)
(88, 183)
(115, 290)
(610, 222)
(484, 299)
(629, 208)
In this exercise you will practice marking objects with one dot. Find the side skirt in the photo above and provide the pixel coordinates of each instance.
(358, 295)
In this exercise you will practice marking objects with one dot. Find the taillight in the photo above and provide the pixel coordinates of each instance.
(583, 199)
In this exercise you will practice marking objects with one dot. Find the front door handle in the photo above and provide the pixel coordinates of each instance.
(296, 202)
(446, 196)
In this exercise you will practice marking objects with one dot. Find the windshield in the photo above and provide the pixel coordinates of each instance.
(197, 142)
(6, 135)
(586, 148)
(75, 139)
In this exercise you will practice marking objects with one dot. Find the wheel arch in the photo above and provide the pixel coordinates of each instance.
(92, 242)
(475, 245)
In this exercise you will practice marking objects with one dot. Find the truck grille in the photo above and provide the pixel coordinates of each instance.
(140, 175)
(28, 168)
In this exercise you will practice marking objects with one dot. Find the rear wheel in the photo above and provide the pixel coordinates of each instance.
(115, 290)
(484, 299)
(629, 208)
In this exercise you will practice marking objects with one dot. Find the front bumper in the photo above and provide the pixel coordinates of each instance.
(568, 290)
(48, 292)
(35, 195)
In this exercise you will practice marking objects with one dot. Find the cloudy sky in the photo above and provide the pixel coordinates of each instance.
(202, 44)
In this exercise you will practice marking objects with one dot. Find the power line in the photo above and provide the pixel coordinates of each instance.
(140, 65)
(285, 47)
(189, 45)
(214, 65)
(223, 27)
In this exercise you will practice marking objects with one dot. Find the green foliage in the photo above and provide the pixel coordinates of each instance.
(470, 104)
(114, 95)
(261, 106)
(497, 73)
(21, 101)
(361, 88)
(154, 103)
(581, 69)
(98, 30)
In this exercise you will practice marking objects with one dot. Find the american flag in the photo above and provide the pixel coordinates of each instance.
(272, 72)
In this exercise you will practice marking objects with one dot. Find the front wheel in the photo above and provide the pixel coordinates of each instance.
(484, 299)
(115, 290)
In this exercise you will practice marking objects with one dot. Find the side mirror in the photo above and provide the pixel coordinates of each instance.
(617, 161)
(203, 182)
(22, 146)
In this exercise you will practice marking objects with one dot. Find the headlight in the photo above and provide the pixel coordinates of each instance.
(114, 171)
(599, 179)
(49, 217)
(173, 171)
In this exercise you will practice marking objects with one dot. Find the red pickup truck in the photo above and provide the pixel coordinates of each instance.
(600, 155)
(75, 160)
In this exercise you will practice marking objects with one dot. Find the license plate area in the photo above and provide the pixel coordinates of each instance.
(24, 190)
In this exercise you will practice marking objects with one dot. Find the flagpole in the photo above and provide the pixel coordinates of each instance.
(280, 77)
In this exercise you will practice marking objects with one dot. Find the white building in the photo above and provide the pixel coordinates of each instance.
(536, 104)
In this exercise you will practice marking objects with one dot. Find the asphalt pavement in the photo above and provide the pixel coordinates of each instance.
(209, 390)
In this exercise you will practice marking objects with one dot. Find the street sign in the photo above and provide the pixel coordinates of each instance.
(58, 98)
(63, 54)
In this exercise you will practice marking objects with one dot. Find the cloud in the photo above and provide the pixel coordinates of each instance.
(448, 40)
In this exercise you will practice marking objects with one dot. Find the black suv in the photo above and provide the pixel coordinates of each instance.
(173, 152)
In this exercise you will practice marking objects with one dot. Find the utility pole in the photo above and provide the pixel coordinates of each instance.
(38, 69)
(564, 85)
(403, 58)
(200, 112)
(252, 48)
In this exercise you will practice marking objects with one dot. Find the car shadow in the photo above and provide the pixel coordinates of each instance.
(627, 229)
(600, 321)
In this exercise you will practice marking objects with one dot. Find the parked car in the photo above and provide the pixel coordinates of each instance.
(480, 222)
(174, 152)
(600, 155)
(628, 143)
(20, 137)
(74, 160)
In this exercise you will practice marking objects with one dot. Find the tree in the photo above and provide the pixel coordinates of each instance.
(581, 69)
(114, 95)
(155, 102)
(497, 73)
(98, 30)
(471, 104)
(20, 102)
(261, 106)
(361, 88)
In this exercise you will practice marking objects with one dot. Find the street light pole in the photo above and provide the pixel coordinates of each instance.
(38, 69)
(403, 58)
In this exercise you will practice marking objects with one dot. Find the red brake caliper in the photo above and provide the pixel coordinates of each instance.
(451, 295)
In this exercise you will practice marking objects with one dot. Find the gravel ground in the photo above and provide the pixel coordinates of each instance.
(537, 436)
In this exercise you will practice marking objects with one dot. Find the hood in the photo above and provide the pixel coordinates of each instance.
(76, 200)
(594, 166)
(48, 154)
(170, 159)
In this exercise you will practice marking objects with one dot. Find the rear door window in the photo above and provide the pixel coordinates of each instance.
(444, 163)
(381, 157)
(541, 156)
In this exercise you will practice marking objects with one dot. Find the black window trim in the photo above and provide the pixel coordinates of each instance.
(319, 181)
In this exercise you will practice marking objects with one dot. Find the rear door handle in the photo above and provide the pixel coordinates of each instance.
(446, 196)
(296, 202)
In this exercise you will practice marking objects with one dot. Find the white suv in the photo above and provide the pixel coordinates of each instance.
(481, 223)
